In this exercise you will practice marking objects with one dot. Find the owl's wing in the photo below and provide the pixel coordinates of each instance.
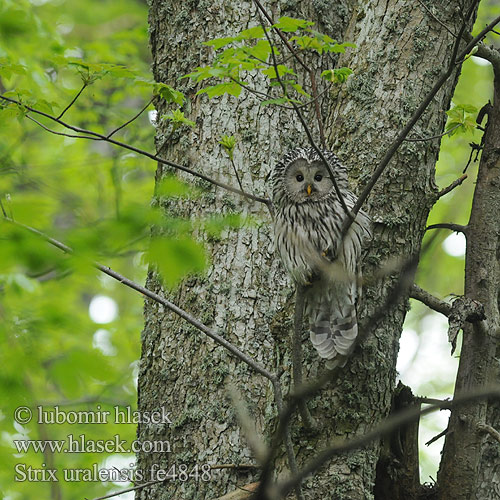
(331, 308)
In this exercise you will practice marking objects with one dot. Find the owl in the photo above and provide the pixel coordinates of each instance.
(307, 229)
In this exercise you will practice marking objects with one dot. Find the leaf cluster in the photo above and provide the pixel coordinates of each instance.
(253, 51)
(461, 119)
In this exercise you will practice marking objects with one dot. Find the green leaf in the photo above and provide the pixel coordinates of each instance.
(202, 73)
(170, 94)
(228, 142)
(290, 24)
(7, 68)
(231, 88)
(261, 50)
(300, 90)
(214, 225)
(255, 32)
(468, 108)
(340, 47)
(218, 43)
(338, 75)
(282, 70)
(177, 118)
(175, 258)
(463, 117)
(172, 186)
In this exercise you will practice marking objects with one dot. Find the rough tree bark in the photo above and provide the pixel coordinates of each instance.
(245, 295)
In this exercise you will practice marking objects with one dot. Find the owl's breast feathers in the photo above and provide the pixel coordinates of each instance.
(308, 238)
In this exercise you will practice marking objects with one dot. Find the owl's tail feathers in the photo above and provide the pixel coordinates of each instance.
(334, 336)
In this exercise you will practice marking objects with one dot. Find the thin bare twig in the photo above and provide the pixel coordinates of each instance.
(73, 101)
(452, 186)
(292, 462)
(234, 466)
(422, 139)
(97, 136)
(433, 401)
(3, 208)
(113, 132)
(262, 96)
(436, 437)
(247, 425)
(437, 19)
(73, 136)
(127, 490)
(452, 227)
(236, 173)
(282, 37)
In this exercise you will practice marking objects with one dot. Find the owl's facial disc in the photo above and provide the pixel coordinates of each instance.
(307, 181)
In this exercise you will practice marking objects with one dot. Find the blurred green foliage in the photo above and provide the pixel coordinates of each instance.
(92, 197)
(95, 198)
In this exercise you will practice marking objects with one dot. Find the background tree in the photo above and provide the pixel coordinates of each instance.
(364, 118)
(244, 294)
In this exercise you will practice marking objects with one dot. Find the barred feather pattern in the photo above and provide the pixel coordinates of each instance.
(308, 239)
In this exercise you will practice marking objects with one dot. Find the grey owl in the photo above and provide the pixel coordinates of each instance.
(307, 228)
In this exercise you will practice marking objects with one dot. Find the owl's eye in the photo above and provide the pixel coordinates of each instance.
(300, 177)
(318, 177)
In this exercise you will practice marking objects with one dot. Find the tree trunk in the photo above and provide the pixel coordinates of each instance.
(471, 460)
(245, 295)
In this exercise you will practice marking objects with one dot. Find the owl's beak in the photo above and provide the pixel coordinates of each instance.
(309, 190)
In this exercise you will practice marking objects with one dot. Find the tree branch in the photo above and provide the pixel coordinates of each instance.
(430, 301)
(385, 428)
(307, 419)
(97, 136)
(73, 136)
(489, 430)
(127, 490)
(436, 437)
(278, 396)
(484, 52)
(477, 39)
(422, 4)
(452, 186)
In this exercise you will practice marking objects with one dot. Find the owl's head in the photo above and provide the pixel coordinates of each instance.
(303, 177)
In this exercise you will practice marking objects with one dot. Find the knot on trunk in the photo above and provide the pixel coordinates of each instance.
(463, 309)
